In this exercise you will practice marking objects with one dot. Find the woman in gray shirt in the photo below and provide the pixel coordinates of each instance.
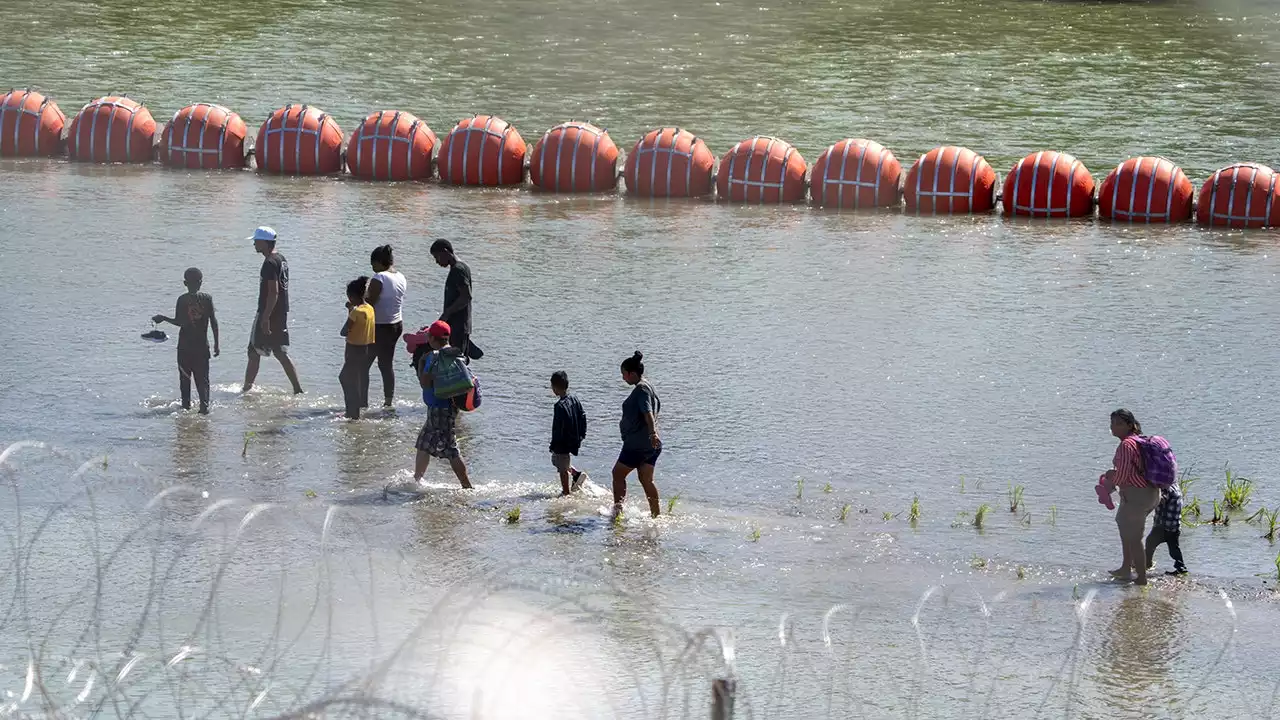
(641, 445)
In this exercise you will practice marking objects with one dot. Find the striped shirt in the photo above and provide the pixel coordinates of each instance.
(1128, 464)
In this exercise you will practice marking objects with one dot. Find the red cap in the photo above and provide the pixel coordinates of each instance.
(439, 329)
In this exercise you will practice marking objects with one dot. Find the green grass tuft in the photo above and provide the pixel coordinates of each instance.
(844, 512)
(799, 488)
(1053, 515)
(977, 562)
(888, 516)
(1220, 516)
(914, 514)
(249, 435)
(1015, 497)
(671, 503)
(980, 515)
(1238, 491)
(513, 515)
(1272, 525)
(311, 494)
(827, 488)
(755, 534)
(1022, 573)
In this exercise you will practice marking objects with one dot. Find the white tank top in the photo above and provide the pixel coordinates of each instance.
(390, 305)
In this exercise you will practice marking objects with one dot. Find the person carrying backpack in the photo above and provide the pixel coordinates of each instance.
(1139, 482)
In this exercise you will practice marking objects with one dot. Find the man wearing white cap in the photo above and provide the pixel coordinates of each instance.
(270, 334)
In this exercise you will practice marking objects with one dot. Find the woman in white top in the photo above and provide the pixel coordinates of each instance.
(386, 295)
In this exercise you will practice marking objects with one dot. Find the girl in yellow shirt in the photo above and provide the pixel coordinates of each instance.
(360, 352)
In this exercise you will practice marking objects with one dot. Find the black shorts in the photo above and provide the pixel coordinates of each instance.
(277, 341)
(637, 457)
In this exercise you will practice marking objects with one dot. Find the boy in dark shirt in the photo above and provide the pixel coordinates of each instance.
(194, 315)
(568, 429)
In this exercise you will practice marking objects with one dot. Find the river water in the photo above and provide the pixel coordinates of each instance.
(811, 364)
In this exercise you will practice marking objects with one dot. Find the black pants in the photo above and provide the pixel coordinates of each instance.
(1160, 535)
(386, 338)
(355, 378)
(194, 363)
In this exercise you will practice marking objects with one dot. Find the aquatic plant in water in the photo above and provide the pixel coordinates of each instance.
(914, 514)
(977, 562)
(827, 488)
(1238, 491)
(1219, 515)
(513, 515)
(671, 503)
(1272, 525)
(799, 488)
(1053, 515)
(844, 512)
(1022, 573)
(755, 534)
(1186, 480)
(1015, 497)
(249, 435)
(1191, 510)
(980, 515)
(888, 516)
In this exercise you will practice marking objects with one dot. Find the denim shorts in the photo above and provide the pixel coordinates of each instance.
(634, 458)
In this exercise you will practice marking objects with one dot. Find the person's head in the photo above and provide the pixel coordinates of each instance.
(356, 289)
(560, 383)
(264, 240)
(193, 279)
(381, 259)
(442, 251)
(1124, 424)
(633, 368)
(438, 334)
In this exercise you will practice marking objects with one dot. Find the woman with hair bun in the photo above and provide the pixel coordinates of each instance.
(1137, 496)
(641, 445)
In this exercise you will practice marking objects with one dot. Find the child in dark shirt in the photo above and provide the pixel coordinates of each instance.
(1167, 528)
(194, 315)
(568, 429)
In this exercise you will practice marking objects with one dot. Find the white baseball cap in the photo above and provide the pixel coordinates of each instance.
(263, 233)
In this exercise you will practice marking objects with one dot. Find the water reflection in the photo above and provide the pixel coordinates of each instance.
(1143, 635)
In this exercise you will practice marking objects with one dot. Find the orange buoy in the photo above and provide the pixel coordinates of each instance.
(1048, 184)
(574, 157)
(30, 124)
(950, 180)
(204, 136)
(299, 140)
(1146, 189)
(482, 150)
(856, 174)
(669, 162)
(392, 145)
(112, 130)
(1240, 196)
(761, 170)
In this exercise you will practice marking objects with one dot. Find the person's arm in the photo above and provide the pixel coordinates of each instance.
(272, 288)
(346, 326)
(426, 378)
(1125, 473)
(652, 421)
(374, 291)
(177, 313)
(558, 420)
(582, 419)
(213, 323)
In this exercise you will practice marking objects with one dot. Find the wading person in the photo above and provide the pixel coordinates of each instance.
(1167, 528)
(386, 295)
(641, 445)
(438, 437)
(270, 333)
(358, 354)
(1137, 497)
(568, 429)
(457, 297)
(193, 314)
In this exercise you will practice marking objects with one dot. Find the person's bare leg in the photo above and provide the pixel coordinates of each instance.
(251, 370)
(645, 473)
(420, 463)
(620, 473)
(289, 371)
(564, 482)
(460, 469)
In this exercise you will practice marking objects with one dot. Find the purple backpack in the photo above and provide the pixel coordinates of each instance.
(1160, 467)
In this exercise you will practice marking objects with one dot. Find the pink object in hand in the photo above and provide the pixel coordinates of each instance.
(1104, 493)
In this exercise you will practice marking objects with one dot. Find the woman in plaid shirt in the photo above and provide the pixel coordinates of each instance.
(1166, 529)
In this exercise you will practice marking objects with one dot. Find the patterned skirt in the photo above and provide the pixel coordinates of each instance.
(438, 437)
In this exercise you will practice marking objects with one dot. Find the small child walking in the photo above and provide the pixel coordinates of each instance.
(360, 350)
(568, 429)
(1167, 528)
(193, 314)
